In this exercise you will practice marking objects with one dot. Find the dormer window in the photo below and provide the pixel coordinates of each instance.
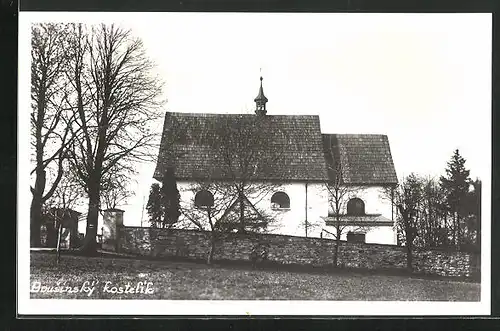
(280, 200)
(355, 207)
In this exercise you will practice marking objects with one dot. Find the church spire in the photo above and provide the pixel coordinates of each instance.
(260, 101)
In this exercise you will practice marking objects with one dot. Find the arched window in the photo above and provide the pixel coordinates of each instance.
(355, 207)
(203, 199)
(280, 200)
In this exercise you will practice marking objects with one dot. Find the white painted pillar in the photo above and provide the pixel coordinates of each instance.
(112, 220)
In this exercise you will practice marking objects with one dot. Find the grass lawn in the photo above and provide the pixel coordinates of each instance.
(188, 281)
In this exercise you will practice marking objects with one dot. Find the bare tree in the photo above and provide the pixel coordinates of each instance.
(432, 229)
(115, 191)
(68, 194)
(219, 213)
(339, 194)
(408, 199)
(245, 161)
(116, 100)
(310, 226)
(237, 181)
(60, 209)
(207, 214)
(49, 116)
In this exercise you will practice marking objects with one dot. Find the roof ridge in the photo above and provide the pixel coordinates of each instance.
(354, 134)
(236, 114)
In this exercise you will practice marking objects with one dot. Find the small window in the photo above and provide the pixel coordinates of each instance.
(203, 199)
(356, 207)
(355, 237)
(280, 200)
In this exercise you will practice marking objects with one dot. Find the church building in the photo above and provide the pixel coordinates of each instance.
(312, 182)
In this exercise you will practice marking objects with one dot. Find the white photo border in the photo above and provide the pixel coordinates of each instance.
(28, 306)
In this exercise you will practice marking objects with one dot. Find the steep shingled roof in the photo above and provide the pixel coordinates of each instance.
(365, 158)
(188, 145)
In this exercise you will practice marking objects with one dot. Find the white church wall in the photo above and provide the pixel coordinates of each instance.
(376, 202)
(287, 220)
(317, 208)
(291, 221)
(381, 235)
(374, 198)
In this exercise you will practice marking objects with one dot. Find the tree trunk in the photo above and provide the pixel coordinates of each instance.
(51, 240)
(89, 243)
(35, 220)
(409, 257)
(211, 251)
(478, 231)
(478, 218)
(336, 251)
(73, 237)
(409, 249)
(242, 213)
(452, 228)
(58, 245)
(445, 230)
(36, 208)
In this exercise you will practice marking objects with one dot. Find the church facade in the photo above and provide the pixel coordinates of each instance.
(308, 182)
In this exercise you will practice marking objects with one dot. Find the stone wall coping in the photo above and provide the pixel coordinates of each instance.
(114, 210)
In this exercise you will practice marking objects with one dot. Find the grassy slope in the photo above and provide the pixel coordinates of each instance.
(187, 281)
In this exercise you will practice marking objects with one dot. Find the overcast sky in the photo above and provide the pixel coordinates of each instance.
(422, 79)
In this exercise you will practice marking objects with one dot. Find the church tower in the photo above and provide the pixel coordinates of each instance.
(260, 101)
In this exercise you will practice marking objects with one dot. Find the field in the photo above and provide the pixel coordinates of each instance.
(105, 277)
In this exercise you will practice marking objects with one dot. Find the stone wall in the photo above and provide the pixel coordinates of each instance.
(292, 250)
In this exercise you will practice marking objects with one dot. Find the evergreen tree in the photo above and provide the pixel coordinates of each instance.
(155, 208)
(456, 186)
(163, 203)
(170, 198)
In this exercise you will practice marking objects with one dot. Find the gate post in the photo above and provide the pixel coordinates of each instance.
(112, 221)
